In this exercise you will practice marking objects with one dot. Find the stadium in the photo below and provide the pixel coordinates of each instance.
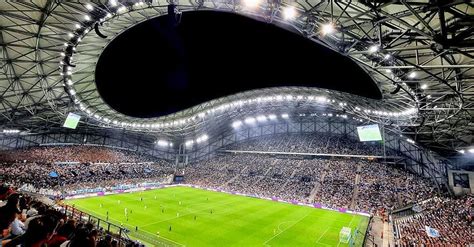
(236, 123)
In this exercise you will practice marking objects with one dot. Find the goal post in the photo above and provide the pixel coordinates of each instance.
(345, 235)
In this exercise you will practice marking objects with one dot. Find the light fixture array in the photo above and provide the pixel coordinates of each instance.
(288, 13)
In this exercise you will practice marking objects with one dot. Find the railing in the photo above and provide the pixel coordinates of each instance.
(117, 232)
(367, 231)
(121, 232)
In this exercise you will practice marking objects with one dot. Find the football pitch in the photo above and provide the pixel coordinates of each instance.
(183, 216)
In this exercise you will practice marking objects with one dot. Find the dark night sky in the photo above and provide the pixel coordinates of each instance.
(153, 69)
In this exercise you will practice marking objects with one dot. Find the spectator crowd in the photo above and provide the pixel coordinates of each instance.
(452, 218)
(331, 182)
(334, 182)
(46, 169)
(321, 143)
(27, 222)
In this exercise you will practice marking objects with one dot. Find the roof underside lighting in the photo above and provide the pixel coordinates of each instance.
(328, 29)
(251, 3)
(289, 13)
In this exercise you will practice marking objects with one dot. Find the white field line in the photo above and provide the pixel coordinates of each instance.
(87, 209)
(264, 243)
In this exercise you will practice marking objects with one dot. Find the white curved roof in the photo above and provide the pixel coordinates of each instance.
(435, 42)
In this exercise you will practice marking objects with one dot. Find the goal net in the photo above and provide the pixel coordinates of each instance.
(345, 235)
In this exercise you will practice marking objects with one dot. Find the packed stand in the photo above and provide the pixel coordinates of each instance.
(330, 182)
(67, 169)
(337, 188)
(68, 176)
(319, 143)
(451, 218)
(31, 223)
(383, 186)
(80, 154)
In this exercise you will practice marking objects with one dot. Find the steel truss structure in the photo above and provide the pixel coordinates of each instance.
(415, 158)
(420, 54)
(90, 136)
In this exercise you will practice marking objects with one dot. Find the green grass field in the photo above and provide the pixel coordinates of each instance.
(207, 218)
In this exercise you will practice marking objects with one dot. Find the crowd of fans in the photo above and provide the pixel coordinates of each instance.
(61, 170)
(332, 181)
(452, 218)
(335, 182)
(382, 186)
(321, 143)
(80, 154)
(31, 223)
(76, 174)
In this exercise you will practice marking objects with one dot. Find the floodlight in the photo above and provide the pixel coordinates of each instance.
(162, 143)
(189, 143)
(387, 56)
(471, 150)
(87, 18)
(251, 3)
(89, 6)
(373, 48)
(78, 26)
(327, 28)
(250, 120)
(70, 35)
(285, 116)
(261, 118)
(424, 86)
(236, 124)
(289, 13)
(321, 99)
(461, 151)
(272, 116)
(113, 2)
(122, 9)
(412, 74)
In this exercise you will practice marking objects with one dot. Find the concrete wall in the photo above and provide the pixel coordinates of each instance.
(459, 190)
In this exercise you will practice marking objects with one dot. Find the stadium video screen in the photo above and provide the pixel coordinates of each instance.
(72, 121)
(369, 133)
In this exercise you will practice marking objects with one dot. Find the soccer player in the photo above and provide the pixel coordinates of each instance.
(100, 205)
(125, 211)
(155, 197)
(141, 199)
(179, 202)
(194, 217)
(145, 207)
(177, 214)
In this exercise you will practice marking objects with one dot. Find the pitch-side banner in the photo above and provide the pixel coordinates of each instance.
(431, 232)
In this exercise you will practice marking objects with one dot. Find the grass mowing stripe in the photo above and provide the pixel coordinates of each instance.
(264, 243)
(236, 220)
(153, 223)
(116, 222)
